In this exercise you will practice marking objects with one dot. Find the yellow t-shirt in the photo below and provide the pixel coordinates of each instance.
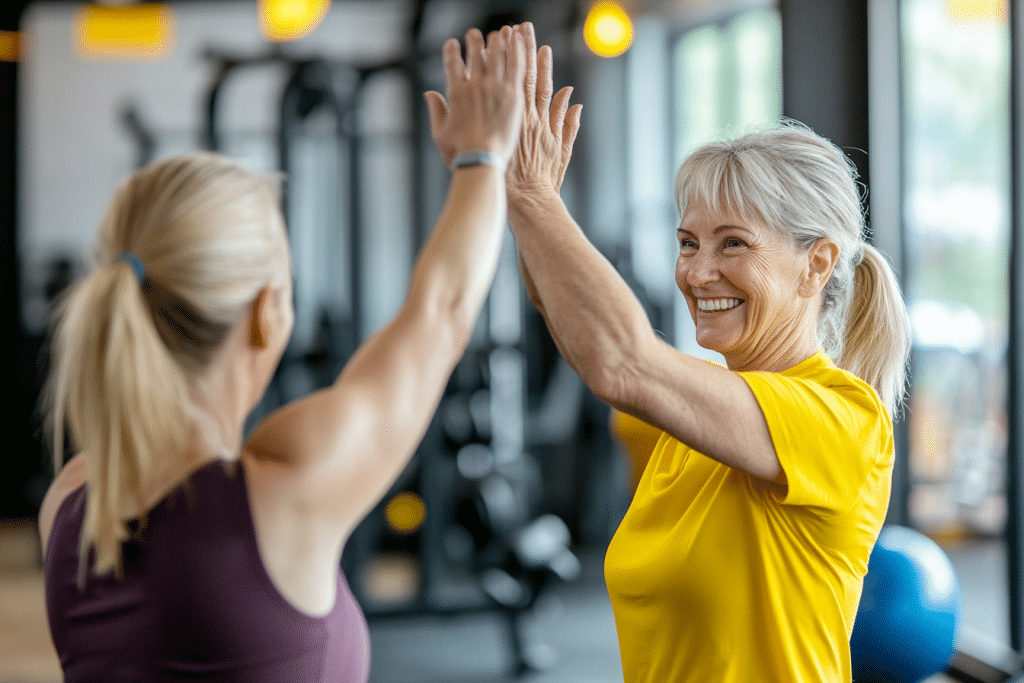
(716, 575)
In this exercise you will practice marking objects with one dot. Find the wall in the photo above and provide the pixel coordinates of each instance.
(74, 151)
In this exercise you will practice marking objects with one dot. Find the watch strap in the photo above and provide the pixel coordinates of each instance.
(477, 157)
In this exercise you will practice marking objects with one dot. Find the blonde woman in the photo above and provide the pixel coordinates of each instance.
(174, 551)
(742, 555)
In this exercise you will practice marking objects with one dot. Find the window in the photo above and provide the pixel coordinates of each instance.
(728, 77)
(957, 208)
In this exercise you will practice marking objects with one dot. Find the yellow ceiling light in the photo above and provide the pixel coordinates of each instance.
(143, 31)
(405, 512)
(10, 46)
(608, 30)
(283, 20)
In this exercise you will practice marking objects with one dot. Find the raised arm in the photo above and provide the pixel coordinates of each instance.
(595, 319)
(349, 442)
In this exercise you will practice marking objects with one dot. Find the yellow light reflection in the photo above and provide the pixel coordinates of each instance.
(405, 512)
(127, 32)
(608, 30)
(283, 20)
(10, 46)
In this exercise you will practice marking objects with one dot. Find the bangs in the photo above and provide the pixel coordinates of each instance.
(723, 178)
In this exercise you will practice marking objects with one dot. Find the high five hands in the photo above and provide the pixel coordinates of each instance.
(549, 126)
(485, 96)
(501, 94)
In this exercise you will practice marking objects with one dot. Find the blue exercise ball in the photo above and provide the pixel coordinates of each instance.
(906, 623)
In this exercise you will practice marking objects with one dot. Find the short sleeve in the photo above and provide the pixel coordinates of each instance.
(636, 437)
(829, 435)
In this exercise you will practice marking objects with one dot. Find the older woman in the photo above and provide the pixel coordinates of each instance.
(176, 550)
(743, 553)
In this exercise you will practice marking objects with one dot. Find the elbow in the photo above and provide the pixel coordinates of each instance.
(452, 326)
(458, 321)
(612, 381)
(442, 312)
(619, 372)
(445, 328)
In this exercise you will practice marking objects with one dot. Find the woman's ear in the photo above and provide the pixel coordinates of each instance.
(259, 325)
(821, 261)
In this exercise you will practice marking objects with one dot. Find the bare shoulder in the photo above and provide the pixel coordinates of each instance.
(322, 453)
(70, 478)
(289, 492)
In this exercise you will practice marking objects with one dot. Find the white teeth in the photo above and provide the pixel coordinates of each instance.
(718, 304)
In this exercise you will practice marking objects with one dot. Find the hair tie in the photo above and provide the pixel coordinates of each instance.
(133, 260)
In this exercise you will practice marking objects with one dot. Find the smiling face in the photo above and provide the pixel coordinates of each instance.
(752, 293)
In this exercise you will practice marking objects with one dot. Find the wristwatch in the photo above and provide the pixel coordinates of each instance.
(476, 157)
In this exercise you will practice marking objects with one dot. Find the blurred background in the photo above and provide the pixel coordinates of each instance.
(484, 562)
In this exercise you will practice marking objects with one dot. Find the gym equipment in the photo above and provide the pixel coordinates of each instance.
(518, 552)
(465, 527)
(139, 132)
(908, 613)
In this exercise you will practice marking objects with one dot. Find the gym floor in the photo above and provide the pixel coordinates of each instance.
(571, 630)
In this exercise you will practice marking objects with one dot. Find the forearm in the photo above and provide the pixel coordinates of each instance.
(534, 296)
(603, 332)
(380, 405)
(593, 315)
(453, 273)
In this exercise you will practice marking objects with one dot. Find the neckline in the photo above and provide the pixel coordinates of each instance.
(817, 358)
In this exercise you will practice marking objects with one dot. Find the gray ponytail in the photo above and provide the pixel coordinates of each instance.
(877, 339)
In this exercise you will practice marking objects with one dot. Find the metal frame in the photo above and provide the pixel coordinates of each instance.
(17, 371)
(1015, 397)
(886, 133)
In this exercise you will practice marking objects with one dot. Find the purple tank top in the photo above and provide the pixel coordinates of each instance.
(196, 602)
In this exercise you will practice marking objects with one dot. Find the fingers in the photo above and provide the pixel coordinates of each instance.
(570, 128)
(569, 131)
(559, 105)
(474, 53)
(530, 76)
(437, 109)
(454, 67)
(545, 84)
(516, 57)
(494, 56)
(510, 36)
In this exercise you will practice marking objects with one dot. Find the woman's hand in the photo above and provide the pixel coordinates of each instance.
(549, 127)
(485, 95)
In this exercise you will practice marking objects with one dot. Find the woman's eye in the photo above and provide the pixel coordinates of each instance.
(733, 242)
(687, 244)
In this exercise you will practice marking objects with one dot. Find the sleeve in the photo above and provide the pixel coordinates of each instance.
(828, 438)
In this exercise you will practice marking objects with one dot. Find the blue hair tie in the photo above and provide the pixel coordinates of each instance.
(135, 263)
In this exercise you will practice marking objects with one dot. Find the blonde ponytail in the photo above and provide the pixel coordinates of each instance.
(128, 351)
(124, 399)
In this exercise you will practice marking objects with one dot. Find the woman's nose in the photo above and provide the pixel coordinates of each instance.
(700, 269)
